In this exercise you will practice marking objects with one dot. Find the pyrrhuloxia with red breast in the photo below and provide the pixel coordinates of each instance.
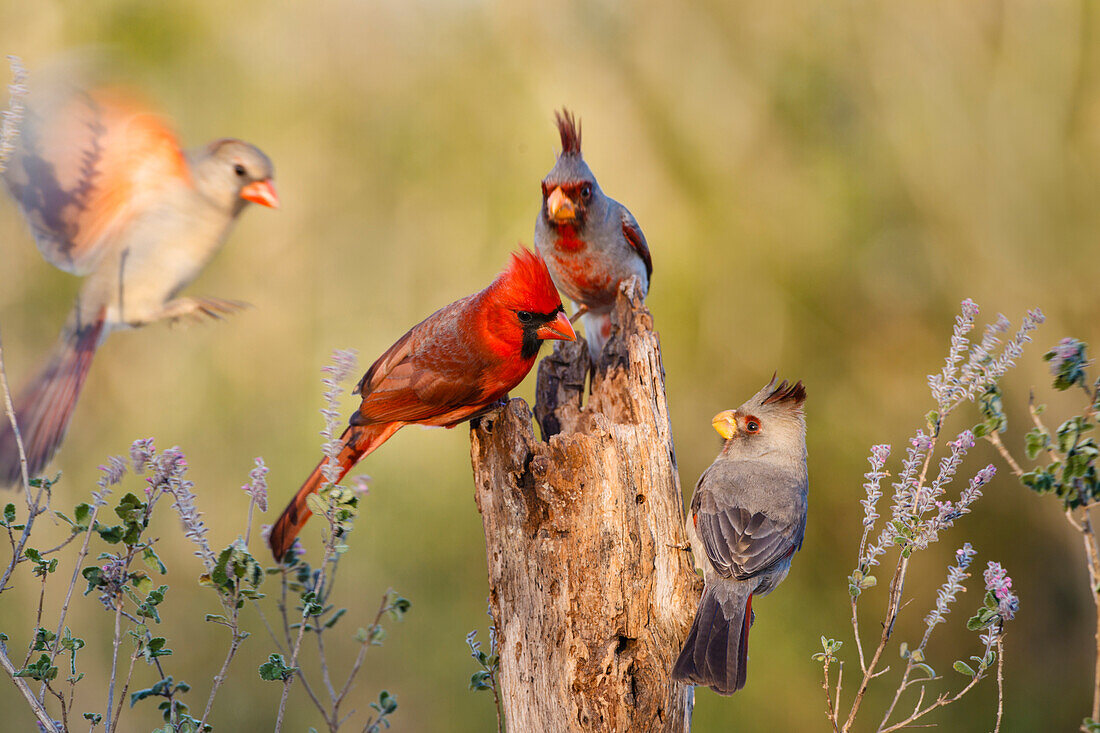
(590, 242)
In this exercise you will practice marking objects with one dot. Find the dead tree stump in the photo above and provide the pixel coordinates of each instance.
(591, 587)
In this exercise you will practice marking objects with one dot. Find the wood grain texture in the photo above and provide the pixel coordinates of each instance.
(591, 584)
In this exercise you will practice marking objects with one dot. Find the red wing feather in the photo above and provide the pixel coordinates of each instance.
(428, 373)
(634, 236)
(85, 167)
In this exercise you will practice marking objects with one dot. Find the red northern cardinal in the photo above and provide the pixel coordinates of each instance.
(748, 517)
(452, 366)
(109, 195)
(591, 243)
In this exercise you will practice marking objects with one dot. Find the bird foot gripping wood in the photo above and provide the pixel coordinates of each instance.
(592, 594)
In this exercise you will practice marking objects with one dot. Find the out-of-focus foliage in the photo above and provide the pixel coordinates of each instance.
(820, 183)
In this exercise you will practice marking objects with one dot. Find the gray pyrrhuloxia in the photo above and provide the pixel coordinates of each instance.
(748, 517)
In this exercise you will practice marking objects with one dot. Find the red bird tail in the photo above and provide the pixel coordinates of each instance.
(358, 442)
(45, 406)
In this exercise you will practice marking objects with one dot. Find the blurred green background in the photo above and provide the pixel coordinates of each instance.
(820, 185)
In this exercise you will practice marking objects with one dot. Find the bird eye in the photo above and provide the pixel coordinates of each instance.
(524, 316)
(752, 426)
(586, 192)
(239, 170)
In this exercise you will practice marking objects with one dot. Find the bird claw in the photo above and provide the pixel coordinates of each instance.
(580, 312)
(196, 310)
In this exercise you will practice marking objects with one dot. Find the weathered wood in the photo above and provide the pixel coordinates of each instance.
(591, 585)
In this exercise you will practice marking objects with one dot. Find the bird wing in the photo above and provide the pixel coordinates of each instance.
(634, 236)
(428, 372)
(88, 163)
(740, 541)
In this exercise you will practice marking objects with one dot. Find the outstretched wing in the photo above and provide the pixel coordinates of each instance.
(86, 164)
(740, 541)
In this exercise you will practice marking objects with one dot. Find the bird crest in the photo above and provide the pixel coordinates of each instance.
(570, 131)
(784, 392)
(525, 283)
(776, 397)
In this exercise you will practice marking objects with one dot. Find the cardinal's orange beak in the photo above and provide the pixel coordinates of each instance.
(559, 328)
(725, 423)
(560, 207)
(262, 193)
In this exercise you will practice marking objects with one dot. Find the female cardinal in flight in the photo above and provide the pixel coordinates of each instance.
(748, 517)
(591, 243)
(109, 195)
(452, 366)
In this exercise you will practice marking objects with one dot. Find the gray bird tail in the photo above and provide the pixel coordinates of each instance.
(45, 406)
(716, 651)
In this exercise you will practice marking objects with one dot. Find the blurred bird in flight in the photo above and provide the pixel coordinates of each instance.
(591, 243)
(109, 195)
(454, 365)
(748, 518)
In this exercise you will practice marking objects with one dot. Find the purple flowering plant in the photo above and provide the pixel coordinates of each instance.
(126, 579)
(923, 506)
(1065, 466)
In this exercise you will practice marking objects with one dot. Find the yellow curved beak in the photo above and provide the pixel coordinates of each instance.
(725, 423)
(560, 208)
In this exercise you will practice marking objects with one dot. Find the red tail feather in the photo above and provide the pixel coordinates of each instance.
(359, 442)
(46, 405)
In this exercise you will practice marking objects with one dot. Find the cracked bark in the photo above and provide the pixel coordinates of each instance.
(591, 586)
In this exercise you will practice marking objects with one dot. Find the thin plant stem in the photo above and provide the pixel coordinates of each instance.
(248, 527)
(362, 651)
(72, 581)
(939, 703)
(995, 439)
(855, 628)
(20, 683)
(893, 605)
(1000, 683)
(38, 618)
(114, 663)
(1088, 538)
(234, 645)
(122, 694)
(298, 642)
(9, 410)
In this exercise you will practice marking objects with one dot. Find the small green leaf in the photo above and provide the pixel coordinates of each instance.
(963, 668)
(152, 560)
(82, 514)
(933, 420)
(274, 669)
(1035, 442)
(926, 669)
(335, 617)
(41, 670)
